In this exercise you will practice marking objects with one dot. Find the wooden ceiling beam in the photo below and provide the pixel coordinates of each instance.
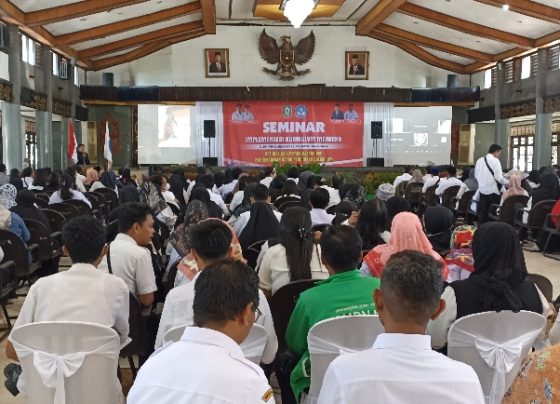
(477, 66)
(420, 53)
(417, 39)
(209, 16)
(377, 15)
(74, 10)
(161, 34)
(529, 8)
(130, 24)
(465, 26)
(145, 50)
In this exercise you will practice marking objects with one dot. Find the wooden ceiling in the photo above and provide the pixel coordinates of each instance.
(462, 36)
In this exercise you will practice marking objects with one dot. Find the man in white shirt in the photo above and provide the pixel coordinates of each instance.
(269, 174)
(433, 180)
(319, 200)
(228, 188)
(334, 195)
(207, 366)
(258, 194)
(488, 173)
(401, 366)
(210, 242)
(450, 181)
(127, 259)
(83, 293)
(405, 177)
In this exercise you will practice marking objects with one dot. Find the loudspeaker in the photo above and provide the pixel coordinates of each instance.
(209, 128)
(377, 129)
(376, 162)
(210, 161)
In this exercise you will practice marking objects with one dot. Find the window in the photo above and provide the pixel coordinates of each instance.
(63, 69)
(76, 76)
(508, 73)
(3, 36)
(488, 78)
(554, 57)
(28, 50)
(55, 63)
(522, 146)
(526, 67)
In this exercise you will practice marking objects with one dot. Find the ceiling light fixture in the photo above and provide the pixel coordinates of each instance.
(297, 11)
(505, 7)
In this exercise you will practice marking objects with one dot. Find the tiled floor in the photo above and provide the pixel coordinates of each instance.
(536, 263)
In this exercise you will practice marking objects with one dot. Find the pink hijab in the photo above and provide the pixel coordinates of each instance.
(406, 234)
(515, 187)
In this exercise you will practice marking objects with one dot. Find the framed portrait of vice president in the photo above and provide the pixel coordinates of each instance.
(216, 62)
(356, 65)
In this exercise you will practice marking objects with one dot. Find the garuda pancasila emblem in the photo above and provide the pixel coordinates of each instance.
(286, 56)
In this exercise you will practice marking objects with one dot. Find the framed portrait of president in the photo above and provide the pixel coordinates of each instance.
(216, 62)
(356, 65)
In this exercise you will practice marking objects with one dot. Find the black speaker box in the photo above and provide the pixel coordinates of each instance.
(376, 162)
(376, 129)
(210, 161)
(209, 128)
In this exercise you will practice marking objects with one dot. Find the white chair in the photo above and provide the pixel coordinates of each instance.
(252, 347)
(335, 336)
(494, 344)
(68, 362)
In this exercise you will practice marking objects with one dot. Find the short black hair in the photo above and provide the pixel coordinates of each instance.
(84, 238)
(130, 213)
(337, 180)
(236, 172)
(268, 170)
(412, 286)
(211, 238)
(319, 198)
(293, 172)
(81, 144)
(494, 148)
(260, 193)
(341, 247)
(207, 180)
(223, 290)
(27, 172)
(317, 180)
(452, 171)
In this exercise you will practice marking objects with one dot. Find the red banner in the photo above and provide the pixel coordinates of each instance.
(261, 133)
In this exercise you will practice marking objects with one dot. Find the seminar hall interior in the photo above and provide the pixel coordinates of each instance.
(279, 201)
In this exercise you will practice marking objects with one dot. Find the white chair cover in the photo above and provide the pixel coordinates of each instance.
(336, 336)
(501, 340)
(51, 353)
(252, 347)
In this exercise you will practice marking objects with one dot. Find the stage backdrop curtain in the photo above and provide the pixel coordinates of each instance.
(209, 111)
(378, 112)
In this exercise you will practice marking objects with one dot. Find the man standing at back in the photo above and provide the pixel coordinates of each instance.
(344, 293)
(401, 366)
(207, 366)
(488, 173)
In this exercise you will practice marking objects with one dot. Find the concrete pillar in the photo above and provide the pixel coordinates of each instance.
(44, 118)
(12, 129)
(542, 154)
(502, 138)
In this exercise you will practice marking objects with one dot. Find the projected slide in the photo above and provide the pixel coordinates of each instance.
(166, 134)
(421, 135)
(174, 126)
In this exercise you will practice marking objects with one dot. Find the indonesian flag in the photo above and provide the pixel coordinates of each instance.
(107, 148)
(72, 143)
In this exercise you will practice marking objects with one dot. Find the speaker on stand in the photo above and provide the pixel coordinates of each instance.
(209, 133)
(376, 132)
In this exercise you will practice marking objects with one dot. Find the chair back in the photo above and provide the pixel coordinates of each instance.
(289, 204)
(494, 344)
(449, 196)
(465, 203)
(430, 198)
(169, 281)
(49, 245)
(110, 196)
(400, 191)
(42, 200)
(138, 330)
(68, 210)
(16, 250)
(252, 347)
(55, 218)
(538, 213)
(42, 196)
(510, 206)
(83, 207)
(285, 199)
(252, 252)
(283, 303)
(544, 284)
(68, 362)
(8, 280)
(335, 336)
(413, 193)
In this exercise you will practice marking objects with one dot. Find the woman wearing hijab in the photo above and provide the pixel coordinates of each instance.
(396, 205)
(438, 222)
(499, 282)
(25, 207)
(514, 189)
(10, 220)
(406, 234)
(178, 183)
(40, 180)
(201, 194)
(109, 180)
(416, 177)
(549, 189)
(128, 193)
(372, 224)
(296, 257)
(15, 179)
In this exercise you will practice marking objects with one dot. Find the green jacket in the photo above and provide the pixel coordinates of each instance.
(342, 294)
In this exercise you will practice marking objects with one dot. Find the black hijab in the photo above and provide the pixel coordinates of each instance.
(438, 222)
(396, 205)
(549, 188)
(262, 225)
(201, 194)
(128, 193)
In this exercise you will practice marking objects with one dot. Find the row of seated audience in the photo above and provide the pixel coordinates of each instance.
(215, 224)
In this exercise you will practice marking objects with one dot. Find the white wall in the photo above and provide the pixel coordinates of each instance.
(183, 64)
